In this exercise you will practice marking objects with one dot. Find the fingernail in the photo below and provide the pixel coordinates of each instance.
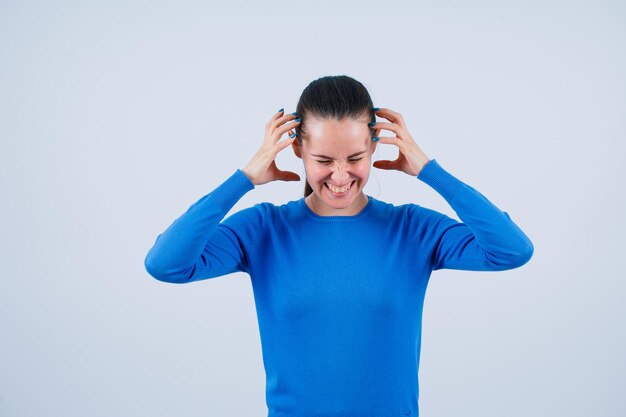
(279, 110)
(295, 113)
(292, 135)
(375, 108)
(375, 139)
(371, 123)
(298, 120)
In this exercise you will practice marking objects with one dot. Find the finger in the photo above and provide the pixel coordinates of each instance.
(282, 145)
(282, 119)
(391, 140)
(385, 164)
(288, 176)
(273, 135)
(278, 132)
(386, 126)
(275, 116)
(391, 115)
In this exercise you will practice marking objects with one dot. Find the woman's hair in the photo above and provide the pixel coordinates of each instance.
(334, 96)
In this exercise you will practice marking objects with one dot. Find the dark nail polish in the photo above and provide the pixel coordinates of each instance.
(375, 139)
(295, 113)
(371, 123)
(280, 110)
(375, 109)
(298, 120)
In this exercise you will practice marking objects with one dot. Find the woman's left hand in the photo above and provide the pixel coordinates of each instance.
(411, 159)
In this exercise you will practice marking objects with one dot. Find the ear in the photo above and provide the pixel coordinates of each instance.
(296, 148)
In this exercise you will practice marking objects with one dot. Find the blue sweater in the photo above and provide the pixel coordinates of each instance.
(339, 298)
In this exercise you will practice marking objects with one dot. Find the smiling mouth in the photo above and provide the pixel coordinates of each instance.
(349, 186)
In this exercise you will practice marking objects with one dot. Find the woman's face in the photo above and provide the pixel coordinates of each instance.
(337, 154)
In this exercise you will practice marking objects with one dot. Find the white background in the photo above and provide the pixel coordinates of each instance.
(115, 118)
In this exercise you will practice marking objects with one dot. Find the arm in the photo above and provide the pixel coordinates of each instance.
(487, 240)
(197, 246)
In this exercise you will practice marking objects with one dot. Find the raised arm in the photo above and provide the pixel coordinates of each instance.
(197, 246)
(486, 240)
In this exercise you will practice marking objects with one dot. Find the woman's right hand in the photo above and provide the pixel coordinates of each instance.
(262, 167)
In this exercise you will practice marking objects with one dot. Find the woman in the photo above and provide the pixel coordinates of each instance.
(338, 276)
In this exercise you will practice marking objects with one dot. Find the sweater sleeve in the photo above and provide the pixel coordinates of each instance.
(486, 240)
(197, 246)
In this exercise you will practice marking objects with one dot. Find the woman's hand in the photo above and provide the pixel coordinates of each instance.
(411, 159)
(262, 168)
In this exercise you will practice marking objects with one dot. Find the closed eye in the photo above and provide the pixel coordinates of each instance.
(328, 162)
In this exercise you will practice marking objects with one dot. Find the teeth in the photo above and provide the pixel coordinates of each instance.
(339, 190)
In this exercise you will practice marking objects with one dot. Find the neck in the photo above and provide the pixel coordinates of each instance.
(312, 201)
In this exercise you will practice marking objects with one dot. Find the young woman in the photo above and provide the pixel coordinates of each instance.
(338, 276)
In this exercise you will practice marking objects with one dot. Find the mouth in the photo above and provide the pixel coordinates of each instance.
(342, 191)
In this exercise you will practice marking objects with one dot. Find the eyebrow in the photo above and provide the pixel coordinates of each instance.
(328, 157)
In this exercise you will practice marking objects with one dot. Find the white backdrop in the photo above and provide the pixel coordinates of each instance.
(115, 118)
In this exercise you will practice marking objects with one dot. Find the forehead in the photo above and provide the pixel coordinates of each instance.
(332, 137)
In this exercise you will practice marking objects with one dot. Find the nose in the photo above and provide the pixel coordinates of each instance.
(340, 173)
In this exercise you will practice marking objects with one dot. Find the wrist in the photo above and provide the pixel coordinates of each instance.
(245, 171)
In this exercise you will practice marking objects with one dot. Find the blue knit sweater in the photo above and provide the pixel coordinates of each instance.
(339, 298)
